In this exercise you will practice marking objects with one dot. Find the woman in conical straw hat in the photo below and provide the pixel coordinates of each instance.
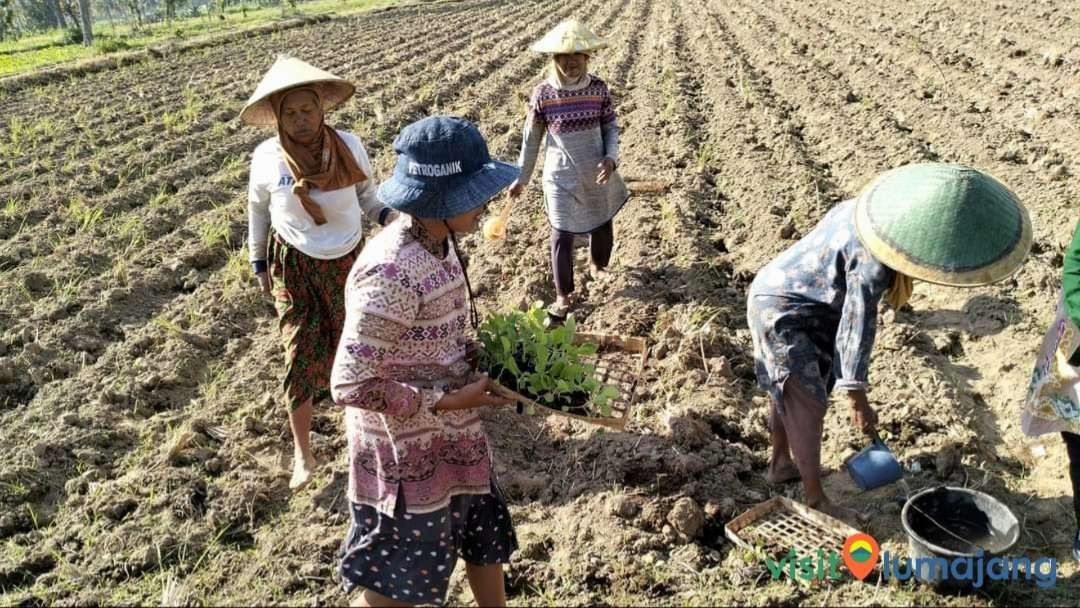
(572, 115)
(309, 188)
(813, 310)
(421, 485)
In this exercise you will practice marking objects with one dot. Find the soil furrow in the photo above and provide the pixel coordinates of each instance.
(963, 87)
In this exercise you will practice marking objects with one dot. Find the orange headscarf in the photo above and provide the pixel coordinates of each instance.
(326, 163)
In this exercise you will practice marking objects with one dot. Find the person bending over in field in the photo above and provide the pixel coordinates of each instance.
(572, 113)
(421, 485)
(308, 191)
(813, 310)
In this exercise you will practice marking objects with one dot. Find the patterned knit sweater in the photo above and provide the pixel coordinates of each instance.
(577, 129)
(404, 341)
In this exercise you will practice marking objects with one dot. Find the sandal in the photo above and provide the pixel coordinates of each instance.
(558, 310)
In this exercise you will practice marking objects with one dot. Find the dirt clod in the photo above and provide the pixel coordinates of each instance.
(37, 282)
(721, 367)
(687, 517)
(690, 431)
(789, 231)
(115, 397)
(947, 461)
(214, 466)
(119, 509)
(623, 506)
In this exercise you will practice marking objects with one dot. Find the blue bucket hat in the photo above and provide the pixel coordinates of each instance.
(443, 169)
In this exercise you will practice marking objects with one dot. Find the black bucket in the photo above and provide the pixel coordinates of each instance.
(967, 521)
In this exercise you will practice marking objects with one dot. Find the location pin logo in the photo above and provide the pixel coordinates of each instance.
(861, 554)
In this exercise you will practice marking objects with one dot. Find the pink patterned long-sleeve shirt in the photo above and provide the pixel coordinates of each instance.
(402, 345)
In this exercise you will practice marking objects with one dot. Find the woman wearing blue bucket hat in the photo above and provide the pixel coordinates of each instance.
(421, 484)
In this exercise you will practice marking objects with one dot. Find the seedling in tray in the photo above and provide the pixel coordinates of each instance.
(524, 353)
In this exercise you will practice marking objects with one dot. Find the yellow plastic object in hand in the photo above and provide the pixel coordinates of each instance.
(495, 227)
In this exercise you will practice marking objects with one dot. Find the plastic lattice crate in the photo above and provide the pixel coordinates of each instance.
(780, 524)
(619, 362)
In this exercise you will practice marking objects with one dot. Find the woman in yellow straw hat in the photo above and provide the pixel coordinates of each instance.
(573, 115)
(813, 310)
(309, 189)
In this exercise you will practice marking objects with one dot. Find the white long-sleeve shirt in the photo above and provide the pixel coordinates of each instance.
(271, 202)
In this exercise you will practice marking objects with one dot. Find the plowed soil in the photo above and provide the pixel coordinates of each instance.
(143, 450)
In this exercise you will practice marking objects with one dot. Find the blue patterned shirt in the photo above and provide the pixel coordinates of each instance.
(813, 310)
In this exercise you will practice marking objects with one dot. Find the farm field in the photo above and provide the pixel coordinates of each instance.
(143, 457)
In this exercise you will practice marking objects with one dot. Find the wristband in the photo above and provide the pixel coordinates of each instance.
(259, 266)
(382, 215)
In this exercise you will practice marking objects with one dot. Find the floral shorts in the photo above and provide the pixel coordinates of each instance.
(409, 557)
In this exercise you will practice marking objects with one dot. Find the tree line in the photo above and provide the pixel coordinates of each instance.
(23, 17)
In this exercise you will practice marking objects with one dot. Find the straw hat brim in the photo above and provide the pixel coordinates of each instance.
(569, 37)
(290, 73)
(568, 48)
(895, 256)
(332, 93)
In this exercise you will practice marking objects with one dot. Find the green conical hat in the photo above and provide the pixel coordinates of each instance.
(946, 224)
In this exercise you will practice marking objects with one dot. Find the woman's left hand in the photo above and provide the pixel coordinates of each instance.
(606, 168)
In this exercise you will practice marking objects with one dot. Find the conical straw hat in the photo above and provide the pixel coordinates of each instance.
(570, 36)
(946, 224)
(289, 72)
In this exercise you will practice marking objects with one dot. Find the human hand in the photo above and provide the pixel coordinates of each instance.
(472, 395)
(606, 168)
(863, 417)
(264, 284)
(516, 189)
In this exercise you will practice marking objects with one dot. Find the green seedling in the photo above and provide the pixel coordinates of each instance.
(523, 350)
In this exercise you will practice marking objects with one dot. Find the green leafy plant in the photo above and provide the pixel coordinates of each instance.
(522, 351)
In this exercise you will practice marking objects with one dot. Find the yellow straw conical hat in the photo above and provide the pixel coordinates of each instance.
(287, 73)
(570, 36)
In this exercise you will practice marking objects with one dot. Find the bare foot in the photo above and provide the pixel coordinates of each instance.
(303, 468)
(844, 514)
(599, 274)
(782, 472)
